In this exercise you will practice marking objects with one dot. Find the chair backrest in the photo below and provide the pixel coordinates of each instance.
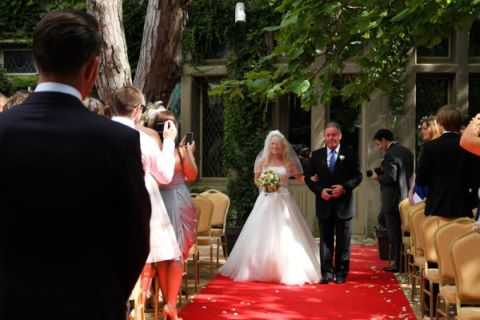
(466, 262)
(430, 226)
(221, 205)
(444, 237)
(416, 229)
(204, 208)
(406, 211)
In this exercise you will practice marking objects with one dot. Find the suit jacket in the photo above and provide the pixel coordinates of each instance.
(74, 230)
(449, 173)
(346, 173)
(395, 181)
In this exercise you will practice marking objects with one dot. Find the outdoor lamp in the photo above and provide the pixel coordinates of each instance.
(240, 15)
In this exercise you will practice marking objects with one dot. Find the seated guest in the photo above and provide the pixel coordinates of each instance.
(447, 170)
(470, 140)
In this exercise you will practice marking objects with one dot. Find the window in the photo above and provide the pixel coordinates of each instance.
(474, 46)
(432, 92)
(18, 61)
(298, 124)
(212, 132)
(474, 95)
(442, 52)
(347, 114)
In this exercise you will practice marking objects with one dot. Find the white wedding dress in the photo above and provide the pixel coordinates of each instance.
(275, 244)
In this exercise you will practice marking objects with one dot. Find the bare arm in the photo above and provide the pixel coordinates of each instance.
(470, 140)
(189, 166)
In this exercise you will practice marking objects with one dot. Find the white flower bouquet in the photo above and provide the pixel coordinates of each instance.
(269, 181)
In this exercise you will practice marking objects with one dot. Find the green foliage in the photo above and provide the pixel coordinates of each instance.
(5, 84)
(11, 84)
(19, 17)
(211, 30)
(23, 82)
(315, 40)
(134, 12)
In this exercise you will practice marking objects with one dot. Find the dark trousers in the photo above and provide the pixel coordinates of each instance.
(340, 231)
(394, 233)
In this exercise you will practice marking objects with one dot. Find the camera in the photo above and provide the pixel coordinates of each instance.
(378, 171)
(159, 127)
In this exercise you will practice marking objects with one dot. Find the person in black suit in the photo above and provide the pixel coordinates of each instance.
(394, 176)
(332, 175)
(448, 171)
(74, 233)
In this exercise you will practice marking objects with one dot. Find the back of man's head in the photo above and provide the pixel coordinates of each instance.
(383, 134)
(449, 118)
(64, 41)
(126, 99)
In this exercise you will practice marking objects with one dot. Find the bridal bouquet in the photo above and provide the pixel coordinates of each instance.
(269, 181)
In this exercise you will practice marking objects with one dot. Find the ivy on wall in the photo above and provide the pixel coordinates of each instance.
(212, 33)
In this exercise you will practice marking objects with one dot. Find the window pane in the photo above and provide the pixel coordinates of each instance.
(347, 114)
(431, 93)
(474, 47)
(212, 134)
(18, 61)
(474, 95)
(299, 124)
(440, 50)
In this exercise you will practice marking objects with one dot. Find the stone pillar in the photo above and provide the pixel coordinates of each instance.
(461, 77)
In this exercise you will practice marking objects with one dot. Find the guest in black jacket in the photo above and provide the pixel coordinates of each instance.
(74, 229)
(448, 171)
(394, 177)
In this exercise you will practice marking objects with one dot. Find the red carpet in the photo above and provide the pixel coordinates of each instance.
(369, 293)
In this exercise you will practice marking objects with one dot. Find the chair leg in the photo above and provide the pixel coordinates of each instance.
(218, 252)
(422, 295)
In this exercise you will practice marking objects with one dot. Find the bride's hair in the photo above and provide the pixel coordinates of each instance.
(289, 157)
(283, 141)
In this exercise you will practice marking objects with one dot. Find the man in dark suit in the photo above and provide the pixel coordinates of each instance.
(332, 175)
(74, 233)
(448, 172)
(394, 176)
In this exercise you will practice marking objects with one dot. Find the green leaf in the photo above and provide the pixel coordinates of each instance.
(299, 87)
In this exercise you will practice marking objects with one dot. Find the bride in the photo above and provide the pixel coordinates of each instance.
(276, 244)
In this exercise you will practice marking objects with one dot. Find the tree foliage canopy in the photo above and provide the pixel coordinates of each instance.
(316, 39)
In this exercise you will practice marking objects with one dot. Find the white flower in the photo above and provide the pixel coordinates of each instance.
(341, 157)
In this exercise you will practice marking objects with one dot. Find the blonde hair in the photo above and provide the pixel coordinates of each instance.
(17, 98)
(285, 156)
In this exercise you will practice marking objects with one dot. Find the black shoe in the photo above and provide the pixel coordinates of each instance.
(391, 269)
(326, 278)
(340, 278)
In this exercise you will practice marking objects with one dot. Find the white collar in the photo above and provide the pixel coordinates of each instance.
(58, 87)
(337, 149)
(125, 121)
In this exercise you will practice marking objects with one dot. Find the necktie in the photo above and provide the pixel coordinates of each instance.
(331, 160)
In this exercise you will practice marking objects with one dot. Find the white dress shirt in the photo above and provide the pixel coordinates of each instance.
(159, 163)
(58, 87)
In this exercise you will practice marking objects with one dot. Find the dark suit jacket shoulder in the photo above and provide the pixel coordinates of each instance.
(75, 211)
(450, 174)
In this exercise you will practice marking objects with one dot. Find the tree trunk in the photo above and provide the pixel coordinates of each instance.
(114, 67)
(158, 67)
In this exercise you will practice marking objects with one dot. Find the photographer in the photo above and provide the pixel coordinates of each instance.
(394, 176)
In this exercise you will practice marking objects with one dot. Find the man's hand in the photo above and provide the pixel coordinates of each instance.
(338, 191)
(326, 194)
(169, 130)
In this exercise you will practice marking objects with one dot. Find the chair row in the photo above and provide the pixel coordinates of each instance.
(441, 255)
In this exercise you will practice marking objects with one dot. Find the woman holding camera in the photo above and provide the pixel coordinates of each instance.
(180, 209)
